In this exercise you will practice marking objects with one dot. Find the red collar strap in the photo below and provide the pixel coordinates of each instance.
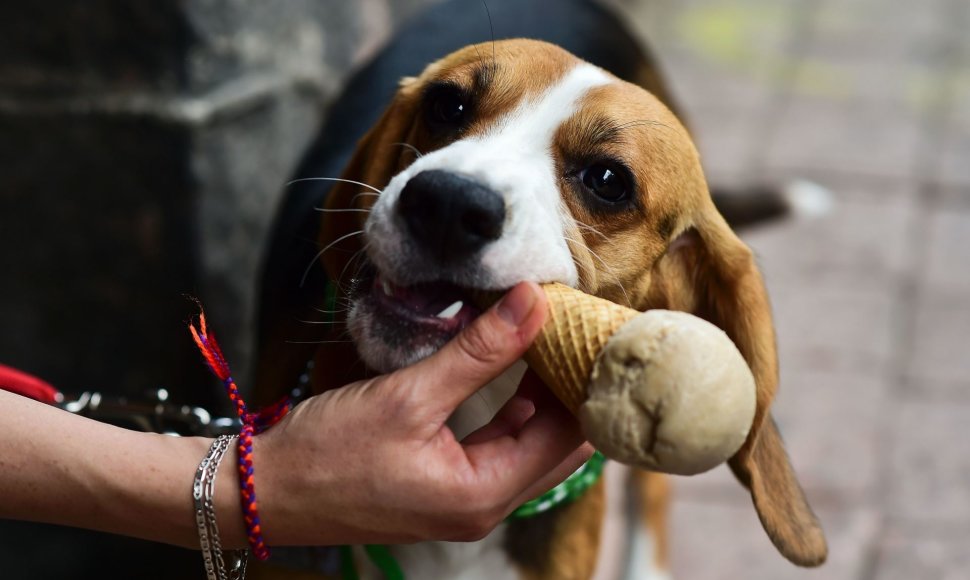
(28, 386)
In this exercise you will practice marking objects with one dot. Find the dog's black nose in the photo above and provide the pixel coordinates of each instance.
(449, 215)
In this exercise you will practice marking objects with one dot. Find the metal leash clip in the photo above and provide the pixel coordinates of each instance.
(156, 414)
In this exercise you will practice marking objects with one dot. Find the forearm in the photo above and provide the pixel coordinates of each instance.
(59, 468)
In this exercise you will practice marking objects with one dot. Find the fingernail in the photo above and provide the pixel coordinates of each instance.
(516, 306)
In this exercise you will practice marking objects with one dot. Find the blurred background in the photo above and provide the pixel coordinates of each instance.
(143, 148)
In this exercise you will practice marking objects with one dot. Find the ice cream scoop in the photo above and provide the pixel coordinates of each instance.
(660, 390)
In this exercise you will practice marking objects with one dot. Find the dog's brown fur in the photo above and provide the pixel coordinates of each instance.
(677, 253)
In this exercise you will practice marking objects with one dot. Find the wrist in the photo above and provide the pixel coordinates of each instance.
(286, 492)
(272, 491)
(144, 488)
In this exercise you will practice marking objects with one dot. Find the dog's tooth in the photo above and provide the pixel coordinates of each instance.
(387, 288)
(452, 310)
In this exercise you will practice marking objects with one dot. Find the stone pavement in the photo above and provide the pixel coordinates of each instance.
(870, 98)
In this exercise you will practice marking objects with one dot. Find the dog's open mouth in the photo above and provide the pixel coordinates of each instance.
(438, 305)
(394, 325)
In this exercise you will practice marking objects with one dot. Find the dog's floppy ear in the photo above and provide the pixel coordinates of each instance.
(379, 155)
(712, 273)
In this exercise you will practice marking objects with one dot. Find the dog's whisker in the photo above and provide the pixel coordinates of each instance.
(491, 31)
(353, 210)
(585, 268)
(362, 194)
(322, 311)
(410, 147)
(317, 341)
(320, 321)
(360, 183)
(479, 53)
(321, 252)
(610, 270)
(357, 256)
(616, 278)
(594, 230)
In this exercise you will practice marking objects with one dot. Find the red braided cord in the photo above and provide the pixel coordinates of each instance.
(252, 423)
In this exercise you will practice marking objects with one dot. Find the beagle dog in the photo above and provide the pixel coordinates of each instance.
(513, 160)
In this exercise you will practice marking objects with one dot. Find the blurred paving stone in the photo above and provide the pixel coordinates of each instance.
(714, 540)
(907, 554)
(930, 467)
(947, 266)
(955, 157)
(954, 162)
(908, 85)
(855, 137)
(837, 324)
(833, 425)
(716, 484)
(865, 234)
(853, 113)
(939, 360)
(834, 282)
(728, 55)
(726, 139)
(955, 198)
(906, 32)
(692, 79)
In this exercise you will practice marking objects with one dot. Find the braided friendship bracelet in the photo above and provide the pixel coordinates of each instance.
(252, 423)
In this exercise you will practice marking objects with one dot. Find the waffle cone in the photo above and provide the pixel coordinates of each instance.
(576, 331)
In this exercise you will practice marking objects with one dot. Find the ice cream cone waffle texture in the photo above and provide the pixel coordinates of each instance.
(578, 327)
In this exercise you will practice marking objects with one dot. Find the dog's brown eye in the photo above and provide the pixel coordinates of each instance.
(606, 181)
(446, 106)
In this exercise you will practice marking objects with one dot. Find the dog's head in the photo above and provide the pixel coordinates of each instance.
(514, 161)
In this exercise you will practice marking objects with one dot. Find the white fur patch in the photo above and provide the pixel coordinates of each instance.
(482, 560)
(642, 563)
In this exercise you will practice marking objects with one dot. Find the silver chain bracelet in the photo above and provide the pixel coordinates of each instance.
(203, 491)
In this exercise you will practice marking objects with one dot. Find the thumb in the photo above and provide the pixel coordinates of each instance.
(481, 352)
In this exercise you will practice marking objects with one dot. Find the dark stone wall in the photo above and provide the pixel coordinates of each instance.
(143, 147)
(70, 46)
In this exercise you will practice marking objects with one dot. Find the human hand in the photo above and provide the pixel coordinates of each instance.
(374, 461)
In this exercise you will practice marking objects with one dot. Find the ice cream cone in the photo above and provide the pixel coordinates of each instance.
(659, 390)
(574, 334)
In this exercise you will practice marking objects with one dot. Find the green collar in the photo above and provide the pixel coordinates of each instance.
(566, 492)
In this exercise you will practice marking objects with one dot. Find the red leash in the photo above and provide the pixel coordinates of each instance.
(29, 386)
